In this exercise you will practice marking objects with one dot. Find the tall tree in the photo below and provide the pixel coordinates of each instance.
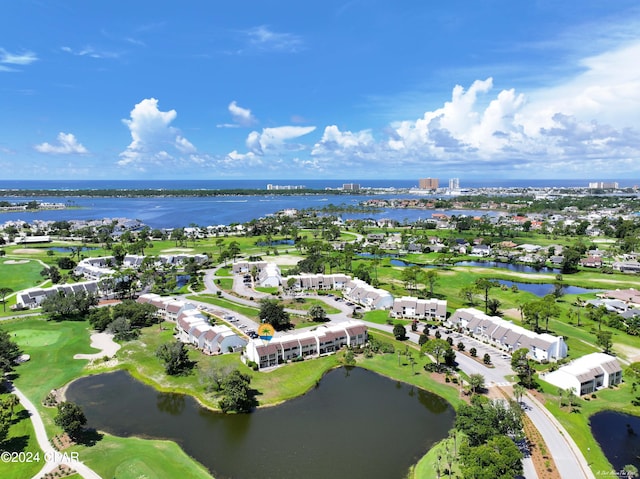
(9, 352)
(3, 297)
(175, 358)
(70, 418)
(436, 348)
(431, 277)
(484, 285)
(273, 313)
(237, 395)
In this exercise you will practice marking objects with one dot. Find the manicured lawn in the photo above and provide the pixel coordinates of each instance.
(577, 423)
(21, 438)
(52, 346)
(225, 284)
(305, 304)
(133, 458)
(19, 275)
(247, 311)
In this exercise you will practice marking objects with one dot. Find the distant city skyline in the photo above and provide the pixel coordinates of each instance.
(334, 89)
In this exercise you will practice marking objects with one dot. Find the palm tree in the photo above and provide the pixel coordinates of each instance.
(3, 295)
(518, 392)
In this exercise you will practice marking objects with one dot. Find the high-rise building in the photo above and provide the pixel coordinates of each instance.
(351, 186)
(454, 184)
(603, 185)
(428, 183)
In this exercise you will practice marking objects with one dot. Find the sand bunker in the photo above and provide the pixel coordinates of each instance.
(27, 251)
(17, 261)
(103, 341)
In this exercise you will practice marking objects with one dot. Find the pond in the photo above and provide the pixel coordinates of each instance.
(399, 262)
(520, 268)
(355, 423)
(542, 289)
(69, 249)
(276, 242)
(619, 437)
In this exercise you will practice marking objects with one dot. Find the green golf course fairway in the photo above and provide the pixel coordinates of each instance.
(35, 338)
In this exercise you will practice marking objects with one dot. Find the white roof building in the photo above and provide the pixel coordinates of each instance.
(415, 308)
(507, 335)
(324, 339)
(587, 374)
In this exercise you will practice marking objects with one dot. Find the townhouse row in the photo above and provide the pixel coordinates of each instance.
(325, 339)
(508, 336)
(193, 327)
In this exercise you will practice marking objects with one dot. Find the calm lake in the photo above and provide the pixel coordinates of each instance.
(542, 289)
(619, 437)
(355, 423)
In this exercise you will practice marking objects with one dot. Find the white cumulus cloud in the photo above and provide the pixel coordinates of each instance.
(241, 115)
(67, 145)
(154, 140)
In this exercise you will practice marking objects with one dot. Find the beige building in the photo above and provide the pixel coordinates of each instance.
(428, 183)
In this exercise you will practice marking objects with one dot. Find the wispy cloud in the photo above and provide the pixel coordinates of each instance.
(8, 58)
(91, 52)
(67, 145)
(264, 39)
(24, 58)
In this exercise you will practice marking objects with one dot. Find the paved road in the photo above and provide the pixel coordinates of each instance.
(54, 458)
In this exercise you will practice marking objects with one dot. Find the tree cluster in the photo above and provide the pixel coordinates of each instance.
(237, 395)
(9, 352)
(70, 418)
(7, 406)
(123, 320)
(63, 306)
(273, 313)
(175, 358)
(489, 450)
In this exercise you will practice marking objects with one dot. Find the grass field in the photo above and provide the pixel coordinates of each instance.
(247, 311)
(21, 438)
(52, 346)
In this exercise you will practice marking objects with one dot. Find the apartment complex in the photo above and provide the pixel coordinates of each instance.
(325, 339)
(428, 183)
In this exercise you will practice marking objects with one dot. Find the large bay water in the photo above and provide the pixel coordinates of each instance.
(355, 423)
(174, 212)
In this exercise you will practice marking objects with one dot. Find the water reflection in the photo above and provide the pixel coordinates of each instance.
(542, 289)
(171, 403)
(342, 428)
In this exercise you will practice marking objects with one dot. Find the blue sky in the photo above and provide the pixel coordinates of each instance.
(362, 89)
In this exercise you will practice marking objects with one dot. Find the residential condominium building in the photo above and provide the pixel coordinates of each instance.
(414, 308)
(587, 374)
(31, 298)
(508, 336)
(428, 183)
(325, 339)
(193, 327)
(364, 294)
(320, 281)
